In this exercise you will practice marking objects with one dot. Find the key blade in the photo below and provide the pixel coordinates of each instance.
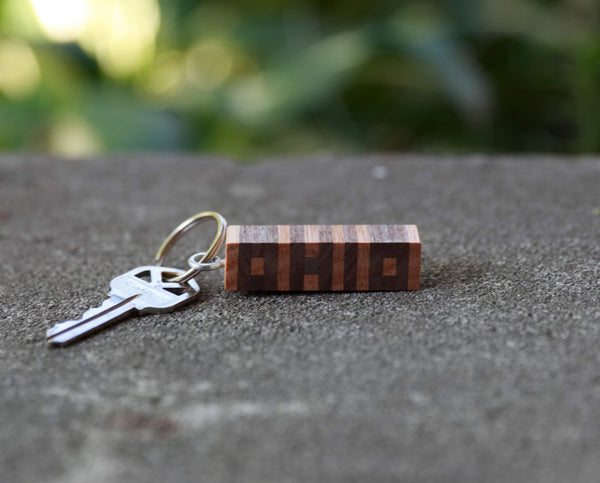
(112, 310)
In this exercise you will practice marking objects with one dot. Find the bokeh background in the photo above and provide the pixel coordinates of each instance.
(254, 78)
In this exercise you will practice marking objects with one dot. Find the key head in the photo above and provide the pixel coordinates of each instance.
(155, 293)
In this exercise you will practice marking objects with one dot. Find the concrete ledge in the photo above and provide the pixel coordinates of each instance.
(490, 373)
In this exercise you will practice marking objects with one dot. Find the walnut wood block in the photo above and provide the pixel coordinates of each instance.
(322, 257)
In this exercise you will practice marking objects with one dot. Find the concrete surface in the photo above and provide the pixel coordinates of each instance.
(490, 373)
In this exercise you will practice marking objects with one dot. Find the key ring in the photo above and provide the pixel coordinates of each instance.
(201, 261)
(195, 261)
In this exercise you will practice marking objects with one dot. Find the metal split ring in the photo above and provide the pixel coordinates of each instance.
(195, 262)
(208, 260)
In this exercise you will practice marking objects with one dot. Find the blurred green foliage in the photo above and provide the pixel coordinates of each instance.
(261, 77)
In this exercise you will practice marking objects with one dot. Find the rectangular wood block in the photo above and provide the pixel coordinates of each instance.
(322, 257)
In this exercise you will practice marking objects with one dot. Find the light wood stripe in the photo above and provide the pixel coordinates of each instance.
(284, 252)
(231, 257)
(412, 234)
(363, 234)
(337, 275)
(233, 234)
(363, 257)
(413, 281)
(283, 234)
(311, 282)
(414, 266)
(337, 234)
(311, 233)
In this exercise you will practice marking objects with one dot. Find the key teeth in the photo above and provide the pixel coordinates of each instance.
(57, 328)
(106, 304)
(112, 310)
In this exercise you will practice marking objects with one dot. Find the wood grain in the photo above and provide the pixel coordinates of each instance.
(232, 248)
(283, 257)
(322, 257)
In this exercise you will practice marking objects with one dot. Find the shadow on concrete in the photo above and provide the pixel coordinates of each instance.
(448, 273)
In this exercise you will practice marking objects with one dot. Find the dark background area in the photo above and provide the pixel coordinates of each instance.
(248, 79)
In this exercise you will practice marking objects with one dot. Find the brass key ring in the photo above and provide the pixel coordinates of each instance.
(209, 260)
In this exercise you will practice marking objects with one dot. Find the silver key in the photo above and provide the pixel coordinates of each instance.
(140, 291)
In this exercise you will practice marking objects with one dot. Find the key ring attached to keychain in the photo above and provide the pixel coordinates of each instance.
(201, 261)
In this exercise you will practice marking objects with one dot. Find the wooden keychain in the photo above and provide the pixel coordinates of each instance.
(284, 258)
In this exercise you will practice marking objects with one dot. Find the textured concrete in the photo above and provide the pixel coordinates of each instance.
(490, 373)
